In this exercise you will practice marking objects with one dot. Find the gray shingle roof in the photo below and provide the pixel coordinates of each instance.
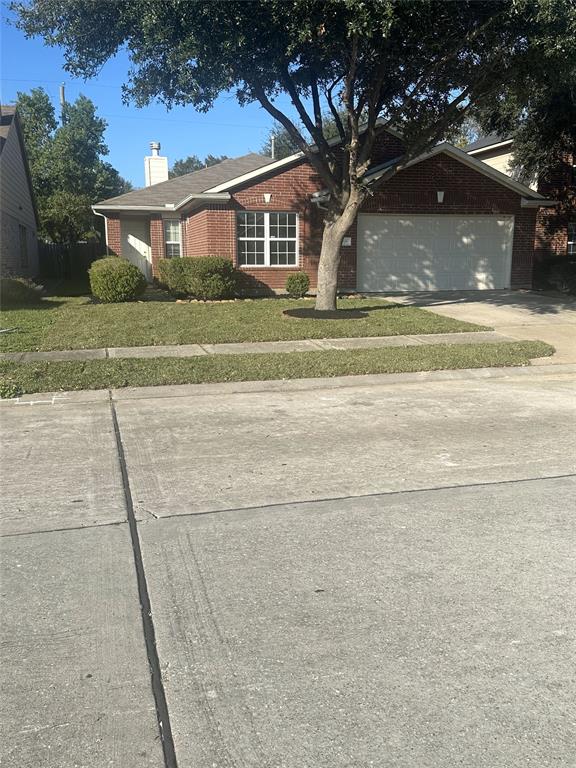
(486, 141)
(175, 190)
(6, 121)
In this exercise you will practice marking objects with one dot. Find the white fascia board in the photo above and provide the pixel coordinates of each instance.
(254, 174)
(477, 165)
(286, 161)
(113, 208)
(490, 147)
(538, 203)
(200, 197)
(375, 173)
(203, 197)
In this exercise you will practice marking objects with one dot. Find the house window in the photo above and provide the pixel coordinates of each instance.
(571, 250)
(267, 239)
(23, 245)
(172, 238)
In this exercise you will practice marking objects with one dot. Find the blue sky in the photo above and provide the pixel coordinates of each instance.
(227, 129)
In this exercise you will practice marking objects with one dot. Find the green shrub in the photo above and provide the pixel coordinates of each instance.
(212, 278)
(113, 280)
(297, 285)
(206, 277)
(172, 275)
(19, 291)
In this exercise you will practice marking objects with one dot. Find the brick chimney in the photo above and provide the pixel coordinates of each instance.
(155, 166)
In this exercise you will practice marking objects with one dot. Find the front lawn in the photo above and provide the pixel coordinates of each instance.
(115, 373)
(78, 323)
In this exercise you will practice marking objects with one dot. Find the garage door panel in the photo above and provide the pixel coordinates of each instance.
(399, 253)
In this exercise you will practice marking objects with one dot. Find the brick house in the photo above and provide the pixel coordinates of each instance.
(448, 221)
(18, 218)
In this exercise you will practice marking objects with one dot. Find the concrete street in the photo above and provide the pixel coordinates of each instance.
(375, 571)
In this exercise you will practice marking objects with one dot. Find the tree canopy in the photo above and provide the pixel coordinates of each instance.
(193, 163)
(68, 173)
(421, 65)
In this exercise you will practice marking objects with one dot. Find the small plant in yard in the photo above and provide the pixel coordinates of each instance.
(297, 285)
(9, 389)
(19, 292)
(114, 280)
(209, 278)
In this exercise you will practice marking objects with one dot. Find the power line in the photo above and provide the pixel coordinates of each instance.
(148, 117)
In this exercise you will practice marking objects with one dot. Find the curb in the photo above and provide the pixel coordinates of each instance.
(291, 385)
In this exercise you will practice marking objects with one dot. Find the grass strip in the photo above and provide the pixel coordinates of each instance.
(77, 323)
(24, 378)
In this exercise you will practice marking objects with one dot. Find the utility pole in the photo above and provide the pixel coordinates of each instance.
(62, 103)
(273, 146)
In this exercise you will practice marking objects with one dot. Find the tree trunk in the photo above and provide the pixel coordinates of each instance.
(334, 230)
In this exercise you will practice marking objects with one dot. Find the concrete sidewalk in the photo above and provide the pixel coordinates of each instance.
(258, 347)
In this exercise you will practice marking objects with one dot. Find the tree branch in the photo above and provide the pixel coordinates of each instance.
(334, 111)
(317, 135)
(316, 160)
(316, 102)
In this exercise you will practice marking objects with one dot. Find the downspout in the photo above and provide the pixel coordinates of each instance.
(105, 228)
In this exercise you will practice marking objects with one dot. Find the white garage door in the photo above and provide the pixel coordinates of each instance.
(434, 253)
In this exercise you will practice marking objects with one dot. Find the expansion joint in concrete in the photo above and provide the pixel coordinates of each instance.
(145, 608)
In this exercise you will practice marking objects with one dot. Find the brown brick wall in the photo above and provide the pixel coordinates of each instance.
(466, 192)
(551, 240)
(211, 232)
(114, 237)
(156, 242)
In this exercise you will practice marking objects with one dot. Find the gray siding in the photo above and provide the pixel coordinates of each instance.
(16, 210)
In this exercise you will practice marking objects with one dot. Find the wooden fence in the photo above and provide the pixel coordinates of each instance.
(68, 261)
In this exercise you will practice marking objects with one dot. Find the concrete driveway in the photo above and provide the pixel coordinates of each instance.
(319, 574)
(517, 314)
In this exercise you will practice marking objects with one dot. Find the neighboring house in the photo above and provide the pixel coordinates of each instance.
(448, 221)
(18, 219)
(555, 236)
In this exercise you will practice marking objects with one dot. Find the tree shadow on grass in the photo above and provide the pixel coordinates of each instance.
(354, 313)
(309, 313)
(47, 302)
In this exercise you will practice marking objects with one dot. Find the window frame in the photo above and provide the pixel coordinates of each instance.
(267, 240)
(571, 239)
(172, 242)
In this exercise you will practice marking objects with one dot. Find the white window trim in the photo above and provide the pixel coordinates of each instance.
(267, 239)
(571, 240)
(172, 242)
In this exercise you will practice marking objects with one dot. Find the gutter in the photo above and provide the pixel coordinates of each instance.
(198, 197)
(535, 203)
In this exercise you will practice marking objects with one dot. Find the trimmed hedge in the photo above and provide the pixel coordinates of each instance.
(113, 280)
(172, 274)
(297, 285)
(19, 292)
(206, 277)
